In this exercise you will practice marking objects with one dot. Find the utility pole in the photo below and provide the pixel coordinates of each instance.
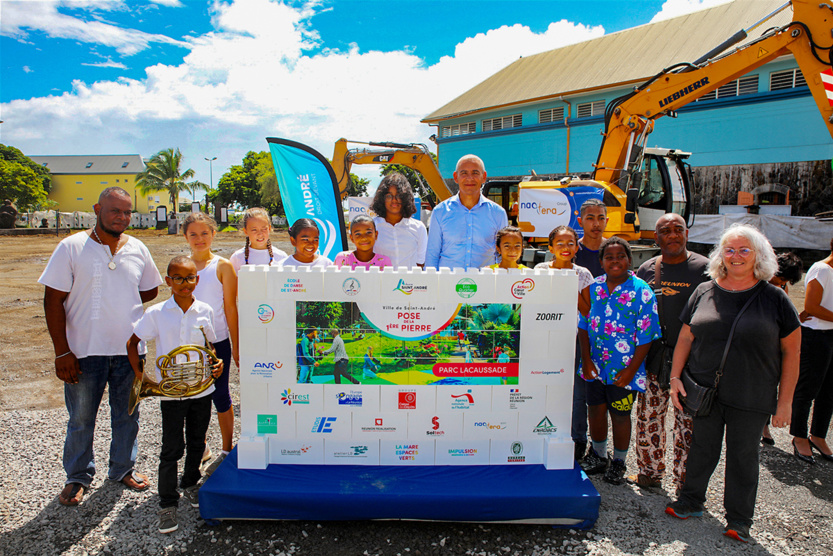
(210, 180)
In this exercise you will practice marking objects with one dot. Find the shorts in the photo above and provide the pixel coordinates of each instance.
(618, 400)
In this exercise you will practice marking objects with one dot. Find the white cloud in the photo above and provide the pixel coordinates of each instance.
(20, 18)
(107, 64)
(27, 69)
(674, 8)
(255, 75)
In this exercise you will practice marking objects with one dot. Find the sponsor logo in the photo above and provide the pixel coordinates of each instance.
(517, 399)
(435, 427)
(407, 452)
(288, 398)
(545, 426)
(299, 452)
(407, 288)
(351, 286)
(683, 92)
(517, 449)
(462, 452)
(407, 400)
(466, 288)
(625, 404)
(293, 285)
(269, 365)
(549, 316)
(323, 424)
(378, 426)
(265, 313)
(522, 287)
(353, 452)
(559, 208)
(267, 424)
(547, 372)
(491, 426)
(462, 401)
(351, 398)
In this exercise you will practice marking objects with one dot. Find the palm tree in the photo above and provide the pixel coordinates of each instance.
(163, 172)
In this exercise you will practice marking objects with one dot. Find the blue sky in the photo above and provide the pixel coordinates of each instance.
(215, 78)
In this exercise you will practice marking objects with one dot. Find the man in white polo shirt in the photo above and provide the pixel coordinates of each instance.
(95, 284)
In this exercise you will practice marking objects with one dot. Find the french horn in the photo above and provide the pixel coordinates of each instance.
(179, 379)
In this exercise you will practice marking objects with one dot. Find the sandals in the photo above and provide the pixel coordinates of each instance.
(72, 494)
(135, 481)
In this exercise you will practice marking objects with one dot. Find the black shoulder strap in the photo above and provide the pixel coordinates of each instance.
(659, 296)
(760, 287)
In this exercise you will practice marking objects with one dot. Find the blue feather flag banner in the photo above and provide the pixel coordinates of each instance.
(309, 189)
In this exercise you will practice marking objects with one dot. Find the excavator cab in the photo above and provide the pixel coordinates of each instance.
(663, 185)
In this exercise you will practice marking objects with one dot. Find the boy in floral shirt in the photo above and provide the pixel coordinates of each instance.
(615, 336)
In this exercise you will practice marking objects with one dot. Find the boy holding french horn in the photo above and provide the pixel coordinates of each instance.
(180, 326)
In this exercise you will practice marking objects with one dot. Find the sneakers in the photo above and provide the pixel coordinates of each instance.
(593, 463)
(615, 474)
(214, 465)
(192, 495)
(682, 510)
(167, 520)
(737, 531)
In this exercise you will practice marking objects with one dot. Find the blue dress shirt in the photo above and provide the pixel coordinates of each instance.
(464, 238)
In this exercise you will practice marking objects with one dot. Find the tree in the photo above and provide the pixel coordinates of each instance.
(358, 186)
(270, 193)
(239, 183)
(11, 154)
(414, 178)
(164, 173)
(21, 184)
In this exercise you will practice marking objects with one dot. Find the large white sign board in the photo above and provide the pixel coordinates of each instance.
(450, 367)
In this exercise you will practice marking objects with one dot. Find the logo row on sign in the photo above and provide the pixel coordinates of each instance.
(257, 452)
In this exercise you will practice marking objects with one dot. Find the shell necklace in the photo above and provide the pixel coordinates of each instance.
(111, 256)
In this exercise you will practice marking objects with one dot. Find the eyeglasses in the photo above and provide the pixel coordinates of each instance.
(179, 280)
(743, 251)
(390, 197)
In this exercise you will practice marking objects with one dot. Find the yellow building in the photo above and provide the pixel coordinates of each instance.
(78, 180)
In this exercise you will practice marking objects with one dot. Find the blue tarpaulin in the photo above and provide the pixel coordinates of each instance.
(527, 493)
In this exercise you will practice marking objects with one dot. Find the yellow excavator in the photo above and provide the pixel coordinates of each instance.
(639, 184)
(412, 155)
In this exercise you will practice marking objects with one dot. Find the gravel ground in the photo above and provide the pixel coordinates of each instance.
(794, 512)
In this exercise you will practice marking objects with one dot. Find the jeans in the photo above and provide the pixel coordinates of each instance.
(743, 434)
(82, 401)
(192, 415)
(341, 371)
(221, 396)
(815, 383)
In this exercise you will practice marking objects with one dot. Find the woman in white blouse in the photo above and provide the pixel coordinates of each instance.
(401, 237)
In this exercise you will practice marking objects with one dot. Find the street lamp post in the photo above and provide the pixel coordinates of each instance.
(210, 179)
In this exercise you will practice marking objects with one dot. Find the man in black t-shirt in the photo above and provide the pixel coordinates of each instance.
(593, 221)
(681, 271)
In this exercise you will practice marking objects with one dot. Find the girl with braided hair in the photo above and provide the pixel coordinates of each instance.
(258, 250)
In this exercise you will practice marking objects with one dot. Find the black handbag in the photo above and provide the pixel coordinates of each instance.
(658, 360)
(699, 399)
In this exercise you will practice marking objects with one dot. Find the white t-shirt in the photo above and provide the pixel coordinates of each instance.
(823, 274)
(171, 328)
(584, 276)
(256, 256)
(404, 243)
(320, 260)
(103, 305)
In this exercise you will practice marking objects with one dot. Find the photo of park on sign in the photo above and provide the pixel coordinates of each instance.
(475, 345)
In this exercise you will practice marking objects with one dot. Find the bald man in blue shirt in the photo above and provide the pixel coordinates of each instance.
(462, 229)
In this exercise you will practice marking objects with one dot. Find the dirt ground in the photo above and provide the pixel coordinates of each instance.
(27, 374)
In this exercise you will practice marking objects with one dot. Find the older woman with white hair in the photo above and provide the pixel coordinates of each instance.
(754, 368)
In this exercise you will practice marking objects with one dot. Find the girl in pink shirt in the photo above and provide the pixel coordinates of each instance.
(363, 234)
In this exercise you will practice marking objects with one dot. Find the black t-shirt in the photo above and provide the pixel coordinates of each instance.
(753, 366)
(589, 259)
(678, 283)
